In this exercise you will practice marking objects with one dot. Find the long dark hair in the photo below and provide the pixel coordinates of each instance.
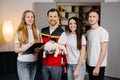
(79, 31)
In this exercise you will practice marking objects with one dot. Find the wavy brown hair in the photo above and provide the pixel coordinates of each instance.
(22, 29)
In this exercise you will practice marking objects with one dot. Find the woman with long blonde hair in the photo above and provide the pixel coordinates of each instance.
(26, 35)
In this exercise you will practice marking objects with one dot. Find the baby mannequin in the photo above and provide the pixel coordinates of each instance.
(53, 47)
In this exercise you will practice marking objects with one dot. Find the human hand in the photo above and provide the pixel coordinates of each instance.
(96, 71)
(75, 74)
(36, 50)
(64, 69)
(49, 46)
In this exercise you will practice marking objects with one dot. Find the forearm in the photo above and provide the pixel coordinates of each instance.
(100, 60)
(103, 53)
(19, 50)
(80, 61)
(81, 58)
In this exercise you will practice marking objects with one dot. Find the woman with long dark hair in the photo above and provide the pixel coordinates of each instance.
(76, 49)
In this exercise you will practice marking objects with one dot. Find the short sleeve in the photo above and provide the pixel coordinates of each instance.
(104, 37)
(83, 40)
(63, 38)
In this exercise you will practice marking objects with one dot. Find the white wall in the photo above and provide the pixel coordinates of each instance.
(78, 0)
(12, 10)
(41, 13)
(110, 19)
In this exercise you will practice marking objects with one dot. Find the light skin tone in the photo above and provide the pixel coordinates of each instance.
(72, 27)
(93, 21)
(53, 19)
(29, 19)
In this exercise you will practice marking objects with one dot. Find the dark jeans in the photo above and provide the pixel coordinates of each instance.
(90, 72)
(53, 72)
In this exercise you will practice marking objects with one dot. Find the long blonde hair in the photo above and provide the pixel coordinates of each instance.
(23, 32)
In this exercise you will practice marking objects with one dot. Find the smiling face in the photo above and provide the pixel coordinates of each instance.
(72, 25)
(29, 18)
(53, 18)
(93, 18)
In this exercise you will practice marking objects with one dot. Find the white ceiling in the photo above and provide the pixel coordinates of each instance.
(112, 0)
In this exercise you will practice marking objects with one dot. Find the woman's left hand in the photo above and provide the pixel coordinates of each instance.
(36, 50)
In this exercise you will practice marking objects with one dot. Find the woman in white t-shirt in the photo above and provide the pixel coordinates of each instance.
(26, 35)
(76, 49)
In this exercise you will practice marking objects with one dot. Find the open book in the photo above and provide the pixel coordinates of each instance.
(31, 49)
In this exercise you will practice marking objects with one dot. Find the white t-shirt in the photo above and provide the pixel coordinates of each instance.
(27, 57)
(63, 38)
(73, 52)
(95, 37)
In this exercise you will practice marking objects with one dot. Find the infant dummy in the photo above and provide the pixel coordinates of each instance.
(51, 47)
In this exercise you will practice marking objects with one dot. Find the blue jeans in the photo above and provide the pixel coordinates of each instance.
(53, 72)
(70, 71)
(26, 70)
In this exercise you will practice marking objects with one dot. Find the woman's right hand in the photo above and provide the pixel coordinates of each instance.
(76, 72)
